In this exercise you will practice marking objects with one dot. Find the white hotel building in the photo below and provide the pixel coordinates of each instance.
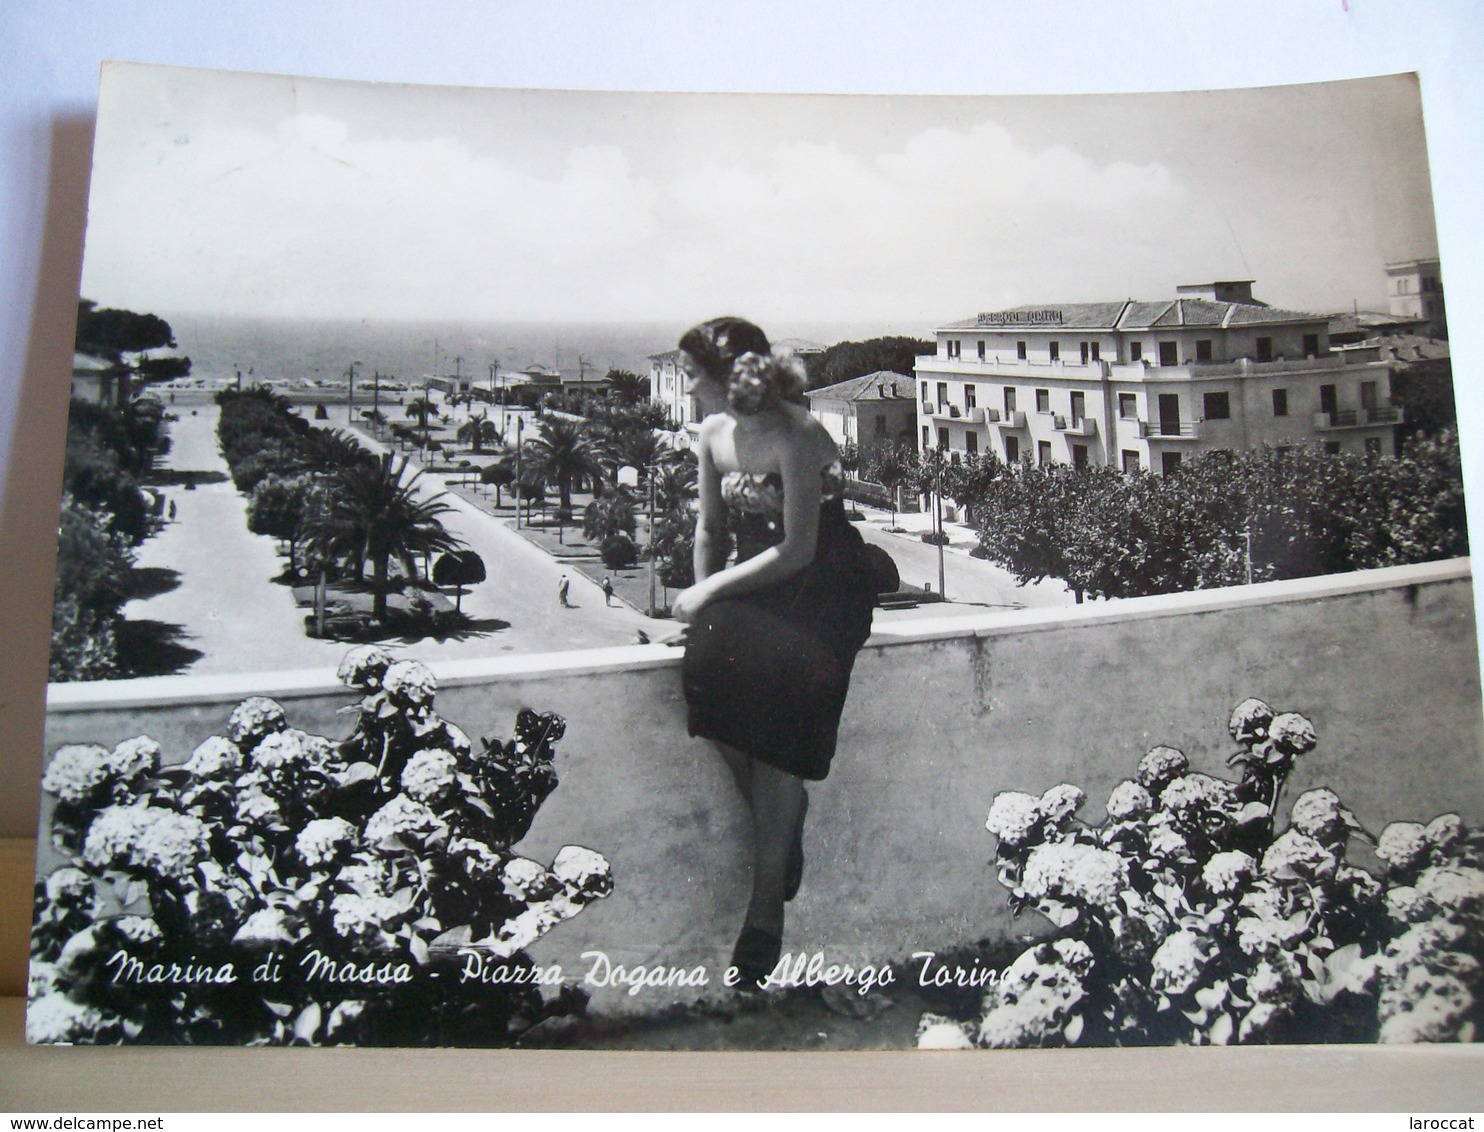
(1145, 384)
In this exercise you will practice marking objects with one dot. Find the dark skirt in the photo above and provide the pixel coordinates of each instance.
(767, 673)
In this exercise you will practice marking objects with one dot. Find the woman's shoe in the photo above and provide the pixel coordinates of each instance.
(755, 956)
(793, 875)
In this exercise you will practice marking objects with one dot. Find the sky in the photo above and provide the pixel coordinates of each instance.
(223, 193)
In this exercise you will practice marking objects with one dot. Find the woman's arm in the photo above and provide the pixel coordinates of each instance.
(710, 541)
(799, 467)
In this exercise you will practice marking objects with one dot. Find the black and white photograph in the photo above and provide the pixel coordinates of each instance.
(613, 570)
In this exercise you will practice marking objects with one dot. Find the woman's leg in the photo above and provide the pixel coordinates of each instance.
(741, 767)
(777, 798)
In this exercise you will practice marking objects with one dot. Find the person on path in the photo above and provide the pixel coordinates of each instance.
(607, 590)
(564, 586)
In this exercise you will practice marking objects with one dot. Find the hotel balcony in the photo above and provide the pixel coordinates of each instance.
(1374, 417)
(1015, 418)
(1083, 426)
(1169, 430)
(898, 857)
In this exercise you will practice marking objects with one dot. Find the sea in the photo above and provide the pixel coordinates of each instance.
(304, 351)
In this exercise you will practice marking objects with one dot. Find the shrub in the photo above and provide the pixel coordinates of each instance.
(1182, 917)
(934, 538)
(205, 902)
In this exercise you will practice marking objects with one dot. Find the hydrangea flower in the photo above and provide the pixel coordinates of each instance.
(1319, 814)
(429, 775)
(1161, 766)
(1274, 979)
(215, 756)
(1168, 844)
(1128, 801)
(583, 872)
(1403, 845)
(1226, 872)
(1197, 792)
(367, 877)
(253, 719)
(1014, 817)
(1430, 1008)
(173, 844)
(1180, 962)
(1458, 889)
(936, 1032)
(291, 749)
(1059, 804)
(1083, 873)
(55, 1018)
(1292, 734)
(76, 772)
(138, 931)
(134, 758)
(1363, 888)
(363, 667)
(1249, 721)
(267, 927)
(322, 840)
(69, 888)
(1262, 935)
(1444, 831)
(114, 834)
(254, 807)
(525, 879)
(1293, 856)
(410, 682)
(365, 919)
(407, 819)
(481, 862)
(1075, 954)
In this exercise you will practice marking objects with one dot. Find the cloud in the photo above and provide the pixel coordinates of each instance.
(318, 216)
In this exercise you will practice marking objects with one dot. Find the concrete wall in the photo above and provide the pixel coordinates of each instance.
(941, 716)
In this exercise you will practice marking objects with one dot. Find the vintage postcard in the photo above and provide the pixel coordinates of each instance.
(619, 570)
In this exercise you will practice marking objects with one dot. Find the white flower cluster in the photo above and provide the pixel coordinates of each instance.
(76, 772)
(1198, 792)
(1224, 873)
(1129, 801)
(1180, 962)
(583, 872)
(1296, 856)
(1292, 734)
(324, 840)
(161, 841)
(1320, 815)
(405, 819)
(1074, 871)
(134, 758)
(429, 775)
(215, 757)
(254, 719)
(1161, 766)
(363, 667)
(1249, 721)
(367, 921)
(267, 927)
(1033, 1002)
(70, 888)
(409, 683)
(1014, 817)
(55, 1018)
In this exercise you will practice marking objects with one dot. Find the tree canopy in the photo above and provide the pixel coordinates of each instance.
(845, 360)
(107, 333)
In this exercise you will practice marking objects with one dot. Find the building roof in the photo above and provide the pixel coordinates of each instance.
(664, 357)
(883, 385)
(1130, 314)
(1370, 323)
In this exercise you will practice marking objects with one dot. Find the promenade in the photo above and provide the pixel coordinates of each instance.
(212, 606)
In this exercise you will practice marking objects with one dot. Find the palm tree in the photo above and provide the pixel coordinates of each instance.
(421, 408)
(476, 431)
(561, 452)
(634, 447)
(627, 388)
(375, 514)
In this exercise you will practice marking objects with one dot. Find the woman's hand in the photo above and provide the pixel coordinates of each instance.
(688, 603)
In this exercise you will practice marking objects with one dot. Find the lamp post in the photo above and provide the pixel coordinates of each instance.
(350, 395)
(520, 424)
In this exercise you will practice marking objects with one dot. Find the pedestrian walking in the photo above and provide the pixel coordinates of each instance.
(607, 590)
(563, 587)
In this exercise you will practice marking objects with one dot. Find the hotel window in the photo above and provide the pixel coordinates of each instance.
(1009, 399)
(1128, 406)
(971, 399)
(1043, 400)
(981, 349)
(1043, 452)
(1169, 462)
(1331, 447)
(1280, 402)
(1217, 406)
(1079, 407)
(1020, 350)
(943, 438)
(924, 392)
(1264, 349)
(942, 396)
(1012, 450)
(1055, 350)
(1169, 353)
(1135, 351)
(927, 438)
(955, 349)
(880, 424)
(1372, 446)
(1311, 345)
(1097, 352)
(971, 442)
(1203, 349)
(1084, 348)
(1079, 455)
(1130, 460)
